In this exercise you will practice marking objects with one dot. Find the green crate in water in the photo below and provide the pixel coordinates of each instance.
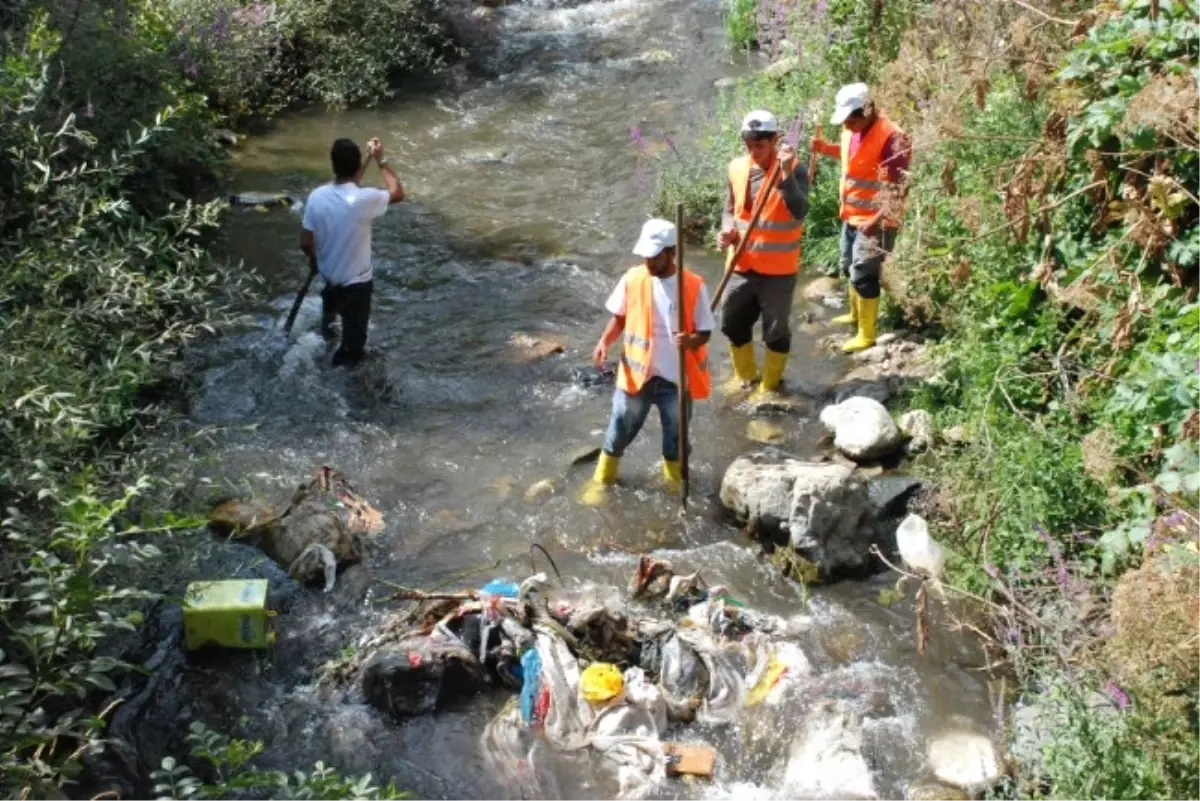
(232, 614)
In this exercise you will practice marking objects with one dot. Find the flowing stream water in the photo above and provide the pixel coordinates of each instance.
(524, 199)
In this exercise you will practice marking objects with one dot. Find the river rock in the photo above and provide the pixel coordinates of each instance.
(888, 496)
(820, 288)
(872, 355)
(862, 428)
(933, 791)
(781, 68)
(526, 348)
(863, 382)
(765, 432)
(725, 83)
(826, 760)
(820, 507)
(539, 491)
(917, 425)
(964, 759)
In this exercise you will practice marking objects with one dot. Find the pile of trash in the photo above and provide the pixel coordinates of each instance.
(588, 678)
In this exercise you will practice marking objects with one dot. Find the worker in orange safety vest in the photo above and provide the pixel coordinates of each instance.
(875, 156)
(764, 279)
(643, 316)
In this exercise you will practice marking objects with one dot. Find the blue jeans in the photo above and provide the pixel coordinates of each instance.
(629, 413)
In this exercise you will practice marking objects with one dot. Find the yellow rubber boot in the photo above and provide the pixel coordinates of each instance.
(773, 366)
(852, 317)
(673, 473)
(868, 311)
(745, 367)
(606, 473)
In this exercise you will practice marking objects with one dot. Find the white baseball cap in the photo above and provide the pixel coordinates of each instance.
(760, 121)
(850, 98)
(657, 234)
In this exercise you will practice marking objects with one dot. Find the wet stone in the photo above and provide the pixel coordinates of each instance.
(933, 791)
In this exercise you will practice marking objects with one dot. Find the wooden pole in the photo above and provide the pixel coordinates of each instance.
(681, 322)
(741, 247)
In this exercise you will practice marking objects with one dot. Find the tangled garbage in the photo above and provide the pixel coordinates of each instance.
(589, 679)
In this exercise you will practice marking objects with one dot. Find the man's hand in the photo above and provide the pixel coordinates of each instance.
(600, 354)
(819, 145)
(375, 148)
(689, 341)
(729, 238)
(787, 160)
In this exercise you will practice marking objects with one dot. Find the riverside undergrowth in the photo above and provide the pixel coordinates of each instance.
(1050, 252)
(107, 120)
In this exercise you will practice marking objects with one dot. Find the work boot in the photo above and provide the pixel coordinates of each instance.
(868, 311)
(606, 473)
(852, 316)
(673, 473)
(745, 367)
(773, 366)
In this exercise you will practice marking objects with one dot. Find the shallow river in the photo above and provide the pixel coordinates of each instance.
(525, 196)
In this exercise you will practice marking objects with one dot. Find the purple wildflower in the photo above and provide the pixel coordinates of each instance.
(991, 570)
(1055, 554)
(256, 14)
(821, 7)
(220, 25)
(1119, 696)
(639, 141)
(1176, 518)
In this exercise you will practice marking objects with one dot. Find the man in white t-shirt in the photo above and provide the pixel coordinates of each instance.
(336, 237)
(645, 318)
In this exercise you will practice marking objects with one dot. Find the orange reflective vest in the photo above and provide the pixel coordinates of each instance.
(864, 175)
(638, 342)
(774, 247)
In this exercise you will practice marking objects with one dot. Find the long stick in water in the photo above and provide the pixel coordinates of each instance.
(291, 318)
(741, 247)
(683, 387)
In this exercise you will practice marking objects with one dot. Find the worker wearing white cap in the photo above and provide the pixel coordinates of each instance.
(643, 315)
(764, 279)
(875, 155)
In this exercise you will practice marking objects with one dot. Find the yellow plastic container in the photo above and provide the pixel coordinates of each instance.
(232, 614)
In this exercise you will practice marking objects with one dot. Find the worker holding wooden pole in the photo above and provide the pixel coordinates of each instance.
(763, 225)
(664, 354)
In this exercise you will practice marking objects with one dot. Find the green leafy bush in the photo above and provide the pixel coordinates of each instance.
(229, 763)
(254, 59)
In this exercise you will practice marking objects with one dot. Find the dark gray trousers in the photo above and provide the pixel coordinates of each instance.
(749, 295)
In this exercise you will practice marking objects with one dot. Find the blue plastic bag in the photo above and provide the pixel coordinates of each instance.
(502, 588)
(531, 667)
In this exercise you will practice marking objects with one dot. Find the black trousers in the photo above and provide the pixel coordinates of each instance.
(353, 304)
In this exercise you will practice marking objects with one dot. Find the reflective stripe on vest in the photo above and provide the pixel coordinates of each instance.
(638, 343)
(774, 247)
(864, 174)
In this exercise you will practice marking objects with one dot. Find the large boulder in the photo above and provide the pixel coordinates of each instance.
(964, 759)
(820, 507)
(862, 428)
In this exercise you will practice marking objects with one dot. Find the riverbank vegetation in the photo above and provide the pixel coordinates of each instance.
(1050, 249)
(108, 121)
